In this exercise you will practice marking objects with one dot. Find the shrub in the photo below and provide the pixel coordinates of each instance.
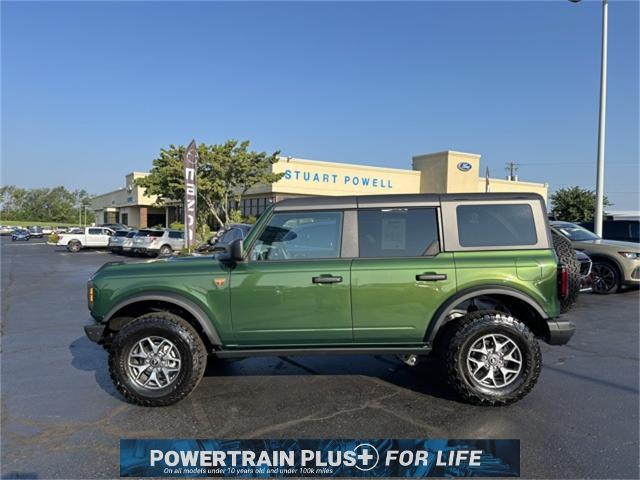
(53, 238)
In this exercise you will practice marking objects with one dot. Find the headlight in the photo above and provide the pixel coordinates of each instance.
(630, 255)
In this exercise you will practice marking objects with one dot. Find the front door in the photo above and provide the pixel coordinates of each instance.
(400, 277)
(97, 237)
(295, 288)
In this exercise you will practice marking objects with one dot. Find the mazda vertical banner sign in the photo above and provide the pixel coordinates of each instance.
(190, 194)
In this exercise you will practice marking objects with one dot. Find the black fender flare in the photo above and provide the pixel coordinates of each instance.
(439, 318)
(178, 300)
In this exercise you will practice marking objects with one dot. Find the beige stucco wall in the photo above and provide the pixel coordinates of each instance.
(128, 195)
(312, 177)
(440, 172)
(499, 185)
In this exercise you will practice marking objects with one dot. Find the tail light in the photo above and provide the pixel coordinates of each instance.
(563, 281)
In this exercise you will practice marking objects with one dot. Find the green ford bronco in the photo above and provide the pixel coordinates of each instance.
(473, 279)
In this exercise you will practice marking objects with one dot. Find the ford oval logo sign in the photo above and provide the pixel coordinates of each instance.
(464, 166)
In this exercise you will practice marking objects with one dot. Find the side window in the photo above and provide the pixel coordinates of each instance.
(397, 232)
(300, 235)
(95, 231)
(496, 225)
(175, 234)
(230, 235)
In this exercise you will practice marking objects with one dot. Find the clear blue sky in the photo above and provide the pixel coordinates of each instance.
(92, 91)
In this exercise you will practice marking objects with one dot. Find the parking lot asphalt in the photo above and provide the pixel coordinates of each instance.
(62, 418)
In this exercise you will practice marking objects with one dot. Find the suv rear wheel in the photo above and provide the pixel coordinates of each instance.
(157, 359)
(493, 359)
(165, 251)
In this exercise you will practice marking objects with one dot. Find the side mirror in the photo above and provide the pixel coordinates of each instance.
(236, 251)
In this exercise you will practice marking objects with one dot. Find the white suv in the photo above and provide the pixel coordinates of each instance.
(158, 242)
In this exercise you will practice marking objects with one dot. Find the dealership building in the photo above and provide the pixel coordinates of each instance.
(441, 172)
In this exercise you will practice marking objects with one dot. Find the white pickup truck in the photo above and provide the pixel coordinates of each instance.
(92, 237)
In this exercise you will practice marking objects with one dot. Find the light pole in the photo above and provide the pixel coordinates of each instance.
(597, 222)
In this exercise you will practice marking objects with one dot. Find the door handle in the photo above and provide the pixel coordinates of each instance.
(326, 279)
(431, 277)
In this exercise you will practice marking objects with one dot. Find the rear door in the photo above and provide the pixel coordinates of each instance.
(400, 277)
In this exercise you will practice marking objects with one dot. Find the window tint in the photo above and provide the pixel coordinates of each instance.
(397, 232)
(121, 233)
(175, 235)
(496, 225)
(300, 235)
(149, 233)
(95, 231)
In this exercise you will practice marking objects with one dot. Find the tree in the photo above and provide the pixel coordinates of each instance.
(43, 204)
(575, 204)
(224, 172)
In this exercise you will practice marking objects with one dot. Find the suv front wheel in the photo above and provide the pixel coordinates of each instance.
(157, 359)
(493, 359)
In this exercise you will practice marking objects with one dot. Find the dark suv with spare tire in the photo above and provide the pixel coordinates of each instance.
(472, 279)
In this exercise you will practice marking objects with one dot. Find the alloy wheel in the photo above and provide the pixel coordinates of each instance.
(154, 363)
(494, 361)
(604, 277)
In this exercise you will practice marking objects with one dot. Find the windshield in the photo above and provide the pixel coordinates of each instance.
(575, 233)
(121, 233)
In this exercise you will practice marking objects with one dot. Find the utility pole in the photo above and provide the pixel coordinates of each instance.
(512, 168)
(597, 221)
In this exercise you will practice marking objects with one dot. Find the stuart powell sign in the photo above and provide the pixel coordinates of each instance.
(190, 162)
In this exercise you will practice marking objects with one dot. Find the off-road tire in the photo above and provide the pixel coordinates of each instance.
(74, 246)
(472, 328)
(616, 284)
(567, 256)
(172, 327)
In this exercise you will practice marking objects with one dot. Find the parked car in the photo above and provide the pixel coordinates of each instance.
(59, 230)
(90, 237)
(615, 263)
(20, 234)
(4, 230)
(624, 230)
(472, 278)
(224, 238)
(158, 242)
(36, 232)
(116, 241)
(127, 242)
(47, 230)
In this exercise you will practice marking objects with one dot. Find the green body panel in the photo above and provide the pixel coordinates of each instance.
(276, 303)
(190, 278)
(390, 305)
(532, 272)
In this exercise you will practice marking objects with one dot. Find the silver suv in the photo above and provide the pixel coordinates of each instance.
(158, 242)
